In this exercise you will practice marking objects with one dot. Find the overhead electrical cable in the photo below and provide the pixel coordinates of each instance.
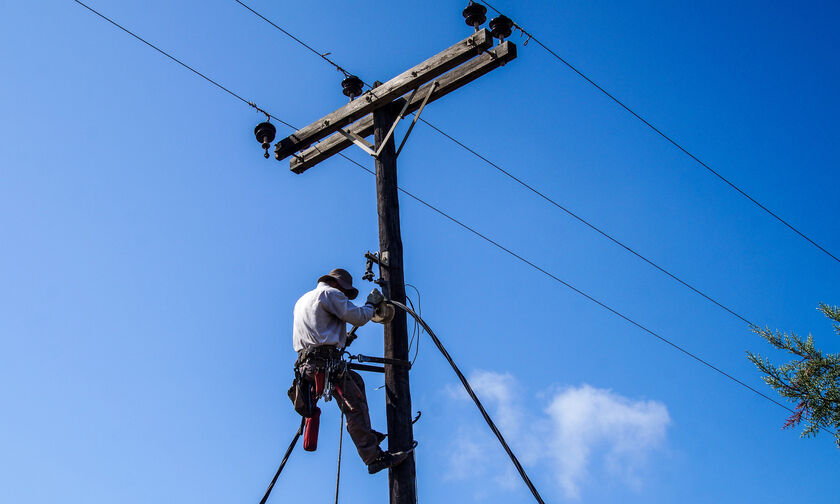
(299, 41)
(663, 135)
(508, 251)
(526, 185)
(475, 399)
(592, 226)
(176, 60)
(575, 289)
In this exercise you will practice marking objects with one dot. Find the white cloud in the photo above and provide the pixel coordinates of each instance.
(577, 427)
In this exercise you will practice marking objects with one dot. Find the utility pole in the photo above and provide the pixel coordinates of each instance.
(376, 112)
(398, 393)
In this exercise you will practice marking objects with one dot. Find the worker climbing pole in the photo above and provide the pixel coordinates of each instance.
(320, 315)
(320, 339)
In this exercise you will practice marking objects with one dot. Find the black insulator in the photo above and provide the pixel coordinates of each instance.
(352, 86)
(501, 27)
(475, 15)
(265, 135)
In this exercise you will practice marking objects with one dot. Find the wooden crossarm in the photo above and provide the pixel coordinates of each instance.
(410, 79)
(449, 82)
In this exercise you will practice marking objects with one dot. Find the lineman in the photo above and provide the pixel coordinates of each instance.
(320, 333)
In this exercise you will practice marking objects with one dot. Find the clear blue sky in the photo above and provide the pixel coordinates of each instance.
(150, 256)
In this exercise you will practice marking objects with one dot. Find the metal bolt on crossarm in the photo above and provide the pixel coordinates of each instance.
(265, 132)
(501, 27)
(352, 87)
(475, 15)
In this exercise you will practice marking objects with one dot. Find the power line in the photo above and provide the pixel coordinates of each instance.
(663, 135)
(487, 239)
(572, 287)
(589, 224)
(475, 399)
(299, 41)
(528, 186)
(176, 60)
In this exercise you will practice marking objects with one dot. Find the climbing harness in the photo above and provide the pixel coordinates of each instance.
(329, 367)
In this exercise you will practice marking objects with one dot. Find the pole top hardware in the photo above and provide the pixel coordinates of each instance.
(352, 87)
(408, 81)
(501, 27)
(475, 15)
(265, 132)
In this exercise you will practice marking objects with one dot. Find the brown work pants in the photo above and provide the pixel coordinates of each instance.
(353, 402)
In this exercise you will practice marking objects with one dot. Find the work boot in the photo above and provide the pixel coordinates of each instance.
(386, 460)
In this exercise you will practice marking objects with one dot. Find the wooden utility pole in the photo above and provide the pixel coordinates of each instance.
(398, 393)
(375, 113)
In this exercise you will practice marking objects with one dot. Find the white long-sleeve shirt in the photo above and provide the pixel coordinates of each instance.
(321, 316)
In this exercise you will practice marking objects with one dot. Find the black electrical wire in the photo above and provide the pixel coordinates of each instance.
(532, 188)
(414, 330)
(176, 60)
(299, 41)
(590, 225)
(572, 287)
(489, 240)
(475, 399)
(283, 462)
(663, 135)
(419, 312)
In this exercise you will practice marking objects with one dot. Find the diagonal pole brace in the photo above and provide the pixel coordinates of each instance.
(367, 146)
(394, 126)
(417, 116)
(361, 142)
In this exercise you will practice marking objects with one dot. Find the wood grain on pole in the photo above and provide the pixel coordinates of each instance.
(447, 83)
(383, 95)
(401, 479)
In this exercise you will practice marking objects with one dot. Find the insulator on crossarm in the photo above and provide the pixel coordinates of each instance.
(501, 27)
(475, 15)
(265, 135)
(352, 87)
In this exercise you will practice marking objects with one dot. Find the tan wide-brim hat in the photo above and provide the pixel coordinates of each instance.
(345, 281)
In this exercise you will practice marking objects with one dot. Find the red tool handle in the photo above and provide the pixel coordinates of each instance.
(310, 430)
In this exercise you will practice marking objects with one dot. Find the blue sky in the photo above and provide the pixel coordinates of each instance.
(151, 256)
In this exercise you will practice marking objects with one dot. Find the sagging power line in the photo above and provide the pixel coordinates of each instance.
(474, 16)
(188, 67)
(507, 250)
(664, 135)
(477, 233)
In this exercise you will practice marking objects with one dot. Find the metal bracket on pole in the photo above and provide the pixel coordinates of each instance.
(361, 142)
(365, 367)
(394, 126)
(384, 360)
(417, 116)
(368, 147)
(375, 257)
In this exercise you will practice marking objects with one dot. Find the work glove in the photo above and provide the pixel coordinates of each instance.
(384, 313)
(375, 298)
